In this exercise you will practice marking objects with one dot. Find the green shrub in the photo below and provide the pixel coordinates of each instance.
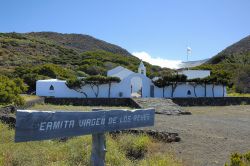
(134, 147)
(160, 160)
(30, 74)
(10, 90)
(238, 159)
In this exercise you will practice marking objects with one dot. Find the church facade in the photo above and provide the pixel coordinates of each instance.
(133, 84)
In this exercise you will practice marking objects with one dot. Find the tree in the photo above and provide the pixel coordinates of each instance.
(77, 85)
(94, 82)
(175, 79)
(160, 83)
(242, 80)
(30, 74)
(111, 80)
(195, 82)
(168, 80)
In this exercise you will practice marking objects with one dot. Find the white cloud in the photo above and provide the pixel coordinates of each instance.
(173, 64)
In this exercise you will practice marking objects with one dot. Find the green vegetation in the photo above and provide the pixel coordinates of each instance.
(99, 62)
(27, 97)
(235, 61)
(44, 55)
(80, 53)
(238, 52)
(237, 76)
(238, 159)
(30, 74)
(10, 90)
(238, 94)
(122, 150)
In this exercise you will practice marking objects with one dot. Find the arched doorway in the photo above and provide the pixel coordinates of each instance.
(136, 87)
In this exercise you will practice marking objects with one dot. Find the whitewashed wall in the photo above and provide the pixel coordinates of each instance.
(61, 90)
(182, 91)
(124, 88)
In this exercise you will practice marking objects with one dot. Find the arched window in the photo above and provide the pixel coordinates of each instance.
(51, 87)
(188, 92)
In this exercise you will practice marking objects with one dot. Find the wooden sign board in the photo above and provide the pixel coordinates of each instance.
(42, 125)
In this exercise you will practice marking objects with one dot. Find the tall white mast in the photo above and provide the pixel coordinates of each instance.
(189, 50)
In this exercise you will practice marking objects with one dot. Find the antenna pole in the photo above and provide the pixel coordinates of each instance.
(188, 53)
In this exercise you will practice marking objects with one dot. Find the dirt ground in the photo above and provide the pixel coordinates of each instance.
(209, 135)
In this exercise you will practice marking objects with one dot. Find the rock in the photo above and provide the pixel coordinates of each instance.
(8, 119)
(8, 109)
(161, 106)
(158, 135)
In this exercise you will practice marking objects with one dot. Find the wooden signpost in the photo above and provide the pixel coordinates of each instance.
(42, 125)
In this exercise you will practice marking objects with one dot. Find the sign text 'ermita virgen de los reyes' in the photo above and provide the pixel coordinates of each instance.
(41, 125)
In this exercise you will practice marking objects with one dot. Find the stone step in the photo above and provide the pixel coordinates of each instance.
(161, 106)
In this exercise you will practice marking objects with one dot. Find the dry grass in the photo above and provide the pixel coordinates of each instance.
(219, 110)
(238, 94)
(77, 151)
(29, 97)
(50, 107)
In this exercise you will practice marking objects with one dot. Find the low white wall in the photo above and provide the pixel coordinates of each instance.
(61, 90)
(182, 91)
(124, 88)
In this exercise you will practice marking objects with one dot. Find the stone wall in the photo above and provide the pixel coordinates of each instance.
(127, 102)
(216, 101)
(7, 113)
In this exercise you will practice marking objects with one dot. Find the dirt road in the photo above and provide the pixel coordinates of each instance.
(209, 135)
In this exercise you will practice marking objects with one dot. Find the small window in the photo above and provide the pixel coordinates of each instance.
(51, 87)
(188, 92)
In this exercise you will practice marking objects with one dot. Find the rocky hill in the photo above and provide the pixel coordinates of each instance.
(232, 64)
(43, 47)
(237, 52)
(79, 42)
(76, 52)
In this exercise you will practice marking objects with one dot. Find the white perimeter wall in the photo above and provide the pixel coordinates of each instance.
(182, 91)
(124, 88)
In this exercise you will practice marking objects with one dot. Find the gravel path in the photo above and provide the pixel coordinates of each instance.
(209, 135)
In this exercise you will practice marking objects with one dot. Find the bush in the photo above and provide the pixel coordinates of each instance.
(239, 159)
(242, 80)
(135, 147)
(10, 90)
(31, 74)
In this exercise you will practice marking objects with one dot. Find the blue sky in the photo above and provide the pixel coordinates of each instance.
(155, 28)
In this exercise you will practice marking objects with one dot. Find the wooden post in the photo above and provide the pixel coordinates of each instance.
(98, 148)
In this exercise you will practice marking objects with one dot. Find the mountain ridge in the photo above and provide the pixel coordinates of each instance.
(82, 42)
(232, 52)
(77, 52)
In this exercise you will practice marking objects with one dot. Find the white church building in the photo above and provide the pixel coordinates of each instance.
(133, 84)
